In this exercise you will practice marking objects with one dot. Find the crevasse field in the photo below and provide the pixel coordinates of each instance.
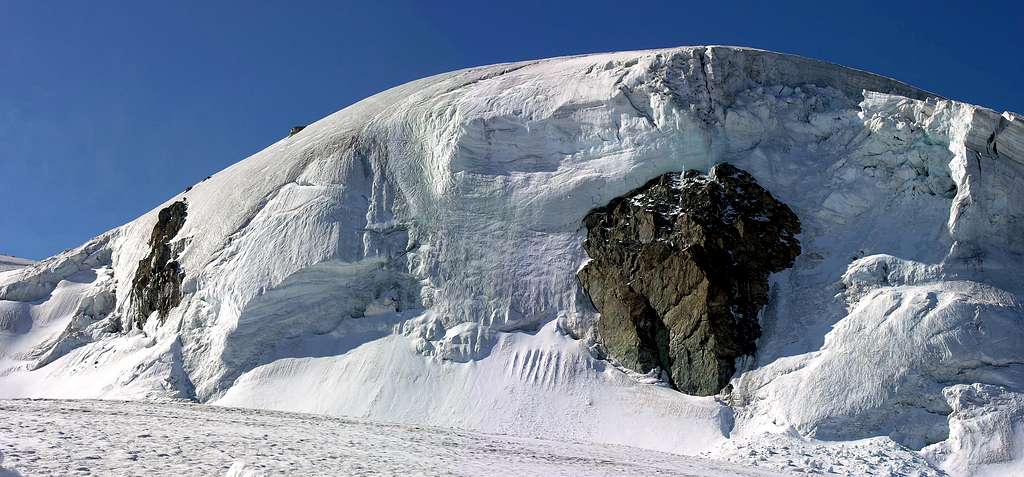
(411, 259)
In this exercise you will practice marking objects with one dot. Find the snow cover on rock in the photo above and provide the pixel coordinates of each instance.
(412, 258)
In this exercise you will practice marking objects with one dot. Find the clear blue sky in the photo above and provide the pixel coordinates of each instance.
(109, 108)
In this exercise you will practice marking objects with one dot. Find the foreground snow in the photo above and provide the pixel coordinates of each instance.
(149, 438)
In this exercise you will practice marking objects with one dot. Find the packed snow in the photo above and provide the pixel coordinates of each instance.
(156, 439)
(412, 259)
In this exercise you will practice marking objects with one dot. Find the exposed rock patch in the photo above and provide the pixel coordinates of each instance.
(679, 272)
(157, 283)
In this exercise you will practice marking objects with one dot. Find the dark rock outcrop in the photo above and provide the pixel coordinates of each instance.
(679, 271)
(295, 130)
(157, 283)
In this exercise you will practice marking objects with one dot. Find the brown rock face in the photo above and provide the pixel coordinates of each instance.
(679, 271)
(157, 284)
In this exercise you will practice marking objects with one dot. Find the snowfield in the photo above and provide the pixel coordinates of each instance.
(413, 257)
(155, 439)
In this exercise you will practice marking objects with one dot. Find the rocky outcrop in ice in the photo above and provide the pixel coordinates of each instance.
(679, 271)
(157, 283)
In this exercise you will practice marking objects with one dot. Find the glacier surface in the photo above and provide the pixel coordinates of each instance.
(175, 439)
(412, 258)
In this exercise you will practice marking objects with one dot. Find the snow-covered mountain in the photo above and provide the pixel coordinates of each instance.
(8, 263)
(414, 258)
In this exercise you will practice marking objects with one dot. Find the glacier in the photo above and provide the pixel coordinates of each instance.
(412, 258)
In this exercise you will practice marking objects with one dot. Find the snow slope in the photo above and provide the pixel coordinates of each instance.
(412, 258)
(157, 439)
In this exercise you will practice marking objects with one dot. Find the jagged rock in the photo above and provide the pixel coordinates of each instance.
(157, 283)
(295, 130)
(679, 272)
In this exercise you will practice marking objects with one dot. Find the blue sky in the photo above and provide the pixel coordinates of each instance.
(109, 108)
